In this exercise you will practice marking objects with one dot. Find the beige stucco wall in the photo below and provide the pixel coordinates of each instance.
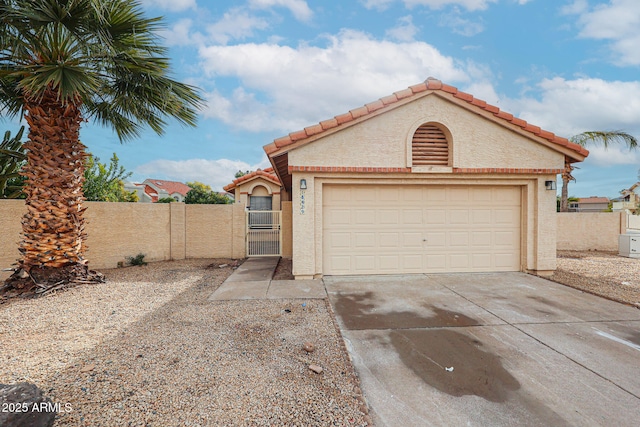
(590, 231)
(160, 231)
(384, 140)
(538, 225)
(287, 231)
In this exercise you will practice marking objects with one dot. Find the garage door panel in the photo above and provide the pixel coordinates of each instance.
(389, 240)
(481, 217)
(339, 217)
(459, 217)
(459, 262)
(459, 238)
(365, 263)
(365, 216)
(436, 240)
(389, 217)
(412, 263)
(392, 229)
(480, 239)
(412, 240)
(411, 216)
(481, 261)
(390, 263)
(339, 240)
(365, 240)
(436, 216)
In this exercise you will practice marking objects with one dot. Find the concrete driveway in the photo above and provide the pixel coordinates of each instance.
(499, 349)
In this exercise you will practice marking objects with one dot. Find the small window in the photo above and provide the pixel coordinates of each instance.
(429, 146)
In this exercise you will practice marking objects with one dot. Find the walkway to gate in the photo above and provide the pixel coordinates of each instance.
(252, 280)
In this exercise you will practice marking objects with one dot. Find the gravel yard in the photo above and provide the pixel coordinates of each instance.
(147, 348)
(601, 273)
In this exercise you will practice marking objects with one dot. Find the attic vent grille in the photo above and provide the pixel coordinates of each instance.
(430, 146)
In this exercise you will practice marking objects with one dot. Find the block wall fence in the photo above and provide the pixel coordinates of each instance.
(161, 231)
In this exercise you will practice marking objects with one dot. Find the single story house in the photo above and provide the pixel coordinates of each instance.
(590, 204)
(426, 180)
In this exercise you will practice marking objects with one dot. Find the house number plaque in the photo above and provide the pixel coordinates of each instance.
(302, 207)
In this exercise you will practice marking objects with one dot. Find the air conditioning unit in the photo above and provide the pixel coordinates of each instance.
(629, 245)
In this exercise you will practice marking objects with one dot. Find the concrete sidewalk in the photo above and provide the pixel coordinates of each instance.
(252, 280)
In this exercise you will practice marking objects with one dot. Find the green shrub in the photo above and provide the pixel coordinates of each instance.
(137, 260)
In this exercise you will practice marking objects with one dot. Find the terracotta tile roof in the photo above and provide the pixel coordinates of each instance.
(170, 187)
(267, 174)
(593, 199)
(391, 101)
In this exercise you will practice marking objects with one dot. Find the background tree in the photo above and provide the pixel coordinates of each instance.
(203, 194)
(241, 173)
(105, 183)
(63, 62)
(166, 200)
(592, 138)
(12, 158)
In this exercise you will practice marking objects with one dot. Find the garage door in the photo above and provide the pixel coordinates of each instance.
(389, 229)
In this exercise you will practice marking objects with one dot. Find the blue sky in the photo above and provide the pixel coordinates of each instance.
(270, 67)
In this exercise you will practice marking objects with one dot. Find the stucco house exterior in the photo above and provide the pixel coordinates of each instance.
(630, 199)
(426, 180)
(590, 204)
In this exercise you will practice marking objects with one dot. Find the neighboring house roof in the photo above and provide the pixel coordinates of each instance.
(266, 174)
(280, 146)
(593, 199)
(170, 187)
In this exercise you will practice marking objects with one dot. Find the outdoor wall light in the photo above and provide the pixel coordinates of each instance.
(550, 185)
(303, 184)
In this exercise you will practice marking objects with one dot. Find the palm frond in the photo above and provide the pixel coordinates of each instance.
(605, 138)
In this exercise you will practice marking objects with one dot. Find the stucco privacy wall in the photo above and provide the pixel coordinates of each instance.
(538, 223)
(160, 231)
(382, 141)
(590, 231)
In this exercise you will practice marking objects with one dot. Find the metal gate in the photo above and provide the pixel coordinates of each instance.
(264, 233)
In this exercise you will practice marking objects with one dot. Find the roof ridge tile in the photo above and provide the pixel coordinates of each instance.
(430, 84)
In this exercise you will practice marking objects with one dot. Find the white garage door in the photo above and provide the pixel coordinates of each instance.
(391, 229)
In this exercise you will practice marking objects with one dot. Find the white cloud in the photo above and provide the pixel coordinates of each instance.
(569, 107)
(433, 4)
(236, 24)
(286, 88)
(376, 4)
(216, 173)
(180, 34)
(617, 22)
(299, 8)
(172, 5)
(613, 155)
(460, 25)
(405, 31)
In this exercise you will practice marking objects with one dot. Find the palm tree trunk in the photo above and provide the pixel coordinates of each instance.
(564, 195)
(53, 235)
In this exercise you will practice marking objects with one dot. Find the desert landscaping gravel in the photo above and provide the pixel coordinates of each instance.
(601, 273)
(148, 348)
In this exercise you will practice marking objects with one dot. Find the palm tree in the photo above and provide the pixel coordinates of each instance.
(587, 138)
(63, 62)
(12, 156)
